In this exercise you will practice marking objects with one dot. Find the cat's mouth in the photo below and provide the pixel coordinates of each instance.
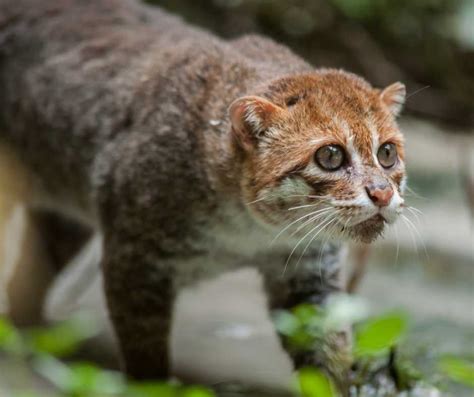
(367, 230)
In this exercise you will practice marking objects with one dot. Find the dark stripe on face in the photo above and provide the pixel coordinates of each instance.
(320, 188)
(397, 178)
(291, 173)
(295, 170)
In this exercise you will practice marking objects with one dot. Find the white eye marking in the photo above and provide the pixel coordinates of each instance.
(315, 142)
(354, 155)
(375, 138)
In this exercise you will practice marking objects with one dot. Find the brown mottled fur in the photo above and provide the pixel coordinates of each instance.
(122, 113)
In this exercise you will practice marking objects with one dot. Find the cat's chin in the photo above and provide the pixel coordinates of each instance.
(368, 230)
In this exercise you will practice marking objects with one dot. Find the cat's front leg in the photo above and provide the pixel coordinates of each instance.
(140, 292)
(309, 285)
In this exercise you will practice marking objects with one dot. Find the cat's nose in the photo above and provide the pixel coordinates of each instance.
(380, 194)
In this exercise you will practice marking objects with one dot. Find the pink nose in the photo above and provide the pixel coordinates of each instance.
(380, 194)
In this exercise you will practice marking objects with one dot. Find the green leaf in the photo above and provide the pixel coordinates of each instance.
(10, 339)
(286, 323)
(375, 336)
(305, 313)
(302, 326)
(87, 378)
(80, 379)
(313, 383)
(458, 370)
(301, 339)
(62, 339)
(196, 391)
(7, 332)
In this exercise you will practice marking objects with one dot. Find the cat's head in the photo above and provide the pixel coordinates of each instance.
(322, 152)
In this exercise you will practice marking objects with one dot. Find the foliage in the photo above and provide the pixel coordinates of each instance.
(458, 370)
(376, 340)
(41, 346)
(301, 326)
(313, 383)
(10, 340)
(62, 339)
(306, 324)
(378, 334)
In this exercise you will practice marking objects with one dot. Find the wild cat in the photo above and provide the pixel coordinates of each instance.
(190, 156)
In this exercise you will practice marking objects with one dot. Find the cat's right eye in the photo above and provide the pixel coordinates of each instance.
(387, 155)
(330, 157)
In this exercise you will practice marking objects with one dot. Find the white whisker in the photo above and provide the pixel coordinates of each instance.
(332, 219)
(258, 200)
(414, 194)
(409, 222)
(416, 209)
(301, 240)
(345, 224)
(293, 222)
(303, 206)
(398, 243)
(410, 209)
(411, 234)
(321, 213)
(270, 197)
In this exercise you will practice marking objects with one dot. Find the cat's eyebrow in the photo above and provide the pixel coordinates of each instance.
(317, 141)
(355, 155)
(372, 127)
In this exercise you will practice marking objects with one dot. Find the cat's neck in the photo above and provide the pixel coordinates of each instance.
(235, 230)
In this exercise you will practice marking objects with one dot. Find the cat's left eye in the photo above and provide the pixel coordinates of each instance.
(387, 155)
(330, 157)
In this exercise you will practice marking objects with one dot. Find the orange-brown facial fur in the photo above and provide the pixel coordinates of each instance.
(279, 132)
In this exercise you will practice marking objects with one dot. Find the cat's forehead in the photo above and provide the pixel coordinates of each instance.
(351, 115)
(332, 107)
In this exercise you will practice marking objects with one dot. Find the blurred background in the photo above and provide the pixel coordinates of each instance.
(425, 265)
(424, 43)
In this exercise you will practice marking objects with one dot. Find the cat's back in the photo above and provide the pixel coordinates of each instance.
(77, 75)
(81, 67)
(62, 58)
(74, 72)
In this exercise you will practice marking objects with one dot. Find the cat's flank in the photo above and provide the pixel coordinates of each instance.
(192, 156)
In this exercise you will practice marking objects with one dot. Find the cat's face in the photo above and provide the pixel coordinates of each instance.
(322, 154)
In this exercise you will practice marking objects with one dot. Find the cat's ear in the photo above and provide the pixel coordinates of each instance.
(393, 97)
(250, 117)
